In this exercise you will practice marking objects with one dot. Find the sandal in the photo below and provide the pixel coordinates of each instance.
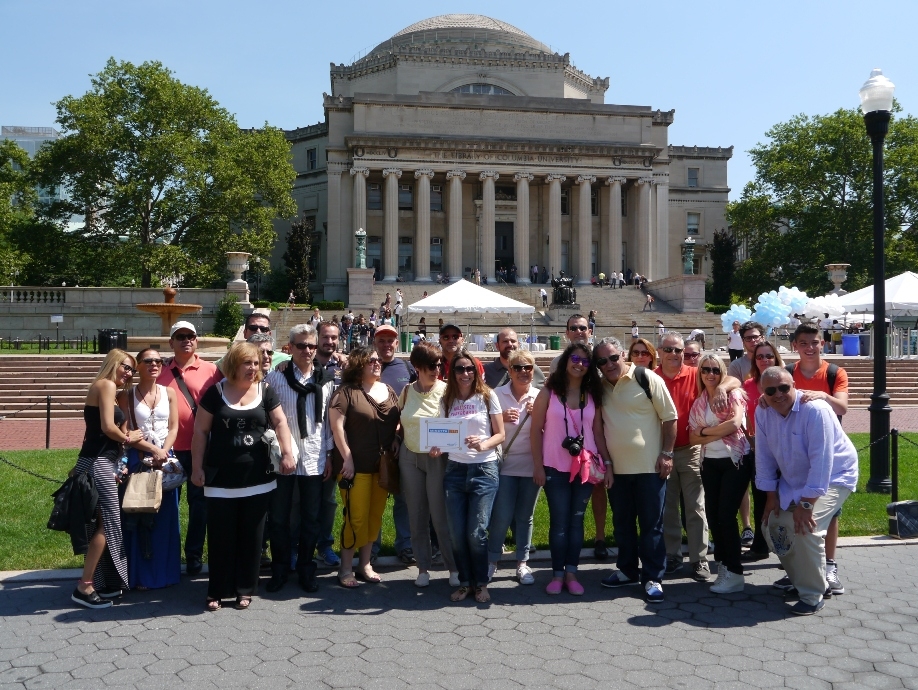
(242, 603)
(214, 604)
(348, 581)
(460, 594)
(367, 575)
(482, 596)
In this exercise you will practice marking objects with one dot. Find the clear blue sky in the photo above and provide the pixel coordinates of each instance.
(730, 69)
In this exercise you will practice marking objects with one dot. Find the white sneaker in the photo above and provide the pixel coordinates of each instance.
(492, 568)
(731, 582)
(454, 579)
(423, 579)
(524, 575)
(721, 574)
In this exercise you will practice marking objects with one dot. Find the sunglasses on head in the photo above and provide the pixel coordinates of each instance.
(710, 370)
(521, 367)
(184, 336)
(602, 361)
(765, 356)
(253, 327)
(304, 346)
(771, 390)
(465, 370)
(152, 360)
(582, 361)
(670, 350)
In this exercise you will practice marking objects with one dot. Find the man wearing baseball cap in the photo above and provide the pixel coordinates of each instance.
(451, 341)
(189, 376)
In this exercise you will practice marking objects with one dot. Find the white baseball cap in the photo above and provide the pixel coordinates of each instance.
(179, 325)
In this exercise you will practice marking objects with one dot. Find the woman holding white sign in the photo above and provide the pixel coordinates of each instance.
(471, 478)
(421, 474)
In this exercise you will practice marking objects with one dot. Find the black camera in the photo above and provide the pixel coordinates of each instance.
(346, 484)
(573, 444)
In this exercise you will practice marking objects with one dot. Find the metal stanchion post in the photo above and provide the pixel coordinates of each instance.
(894, 460)
(47, 422)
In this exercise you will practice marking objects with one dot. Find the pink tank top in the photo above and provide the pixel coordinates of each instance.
(553, 433)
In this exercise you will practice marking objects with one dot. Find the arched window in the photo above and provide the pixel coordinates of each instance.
(485, 89)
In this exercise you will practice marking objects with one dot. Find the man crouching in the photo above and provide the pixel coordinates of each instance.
(808, 467)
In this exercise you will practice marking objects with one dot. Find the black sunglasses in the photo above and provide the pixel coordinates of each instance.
(152, 360)
(578, 328)
(710, 370)
(270, 353)
(464, 370)
(184, 336)
(670, 350)
(602, 361)
(304, 346)
(263, 329)
(771, 390)
(521, 367)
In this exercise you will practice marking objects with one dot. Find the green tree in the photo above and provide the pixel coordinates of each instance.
(296, 258)
(228, 317)
(161, 168)
(17, 207)
(723, 266)
(810, 204)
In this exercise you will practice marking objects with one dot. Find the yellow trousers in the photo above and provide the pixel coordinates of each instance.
(363, 511)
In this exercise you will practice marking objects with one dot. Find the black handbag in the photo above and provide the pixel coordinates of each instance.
(903, 519)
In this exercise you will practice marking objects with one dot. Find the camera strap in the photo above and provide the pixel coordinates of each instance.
(567, 411)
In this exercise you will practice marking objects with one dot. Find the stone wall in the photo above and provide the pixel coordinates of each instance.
(26, 312)
(684, 293)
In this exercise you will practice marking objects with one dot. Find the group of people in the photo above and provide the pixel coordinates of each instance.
(606, 425)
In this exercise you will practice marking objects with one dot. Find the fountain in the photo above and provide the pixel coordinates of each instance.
(170, 310)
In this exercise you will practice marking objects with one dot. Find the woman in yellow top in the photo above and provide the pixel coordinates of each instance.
(421, 475)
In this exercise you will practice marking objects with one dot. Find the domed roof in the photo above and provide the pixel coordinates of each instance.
(464, 31)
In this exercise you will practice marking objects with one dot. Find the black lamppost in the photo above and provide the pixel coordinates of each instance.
(876, 104)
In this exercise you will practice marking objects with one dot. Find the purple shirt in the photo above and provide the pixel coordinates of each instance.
(808, 448)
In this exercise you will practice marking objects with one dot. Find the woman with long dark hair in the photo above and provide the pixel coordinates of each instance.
(565, 420)
(471, 478)
(105, 568)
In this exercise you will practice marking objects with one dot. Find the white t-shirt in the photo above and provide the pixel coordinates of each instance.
(825, 324)
(518, 462)
(735, 341)
(475, 409)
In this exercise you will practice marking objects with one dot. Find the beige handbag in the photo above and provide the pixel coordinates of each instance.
(144, 493)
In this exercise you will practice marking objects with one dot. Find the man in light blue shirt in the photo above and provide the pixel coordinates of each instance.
(808, 467)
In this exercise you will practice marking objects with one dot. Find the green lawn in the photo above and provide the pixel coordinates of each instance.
(25, 504)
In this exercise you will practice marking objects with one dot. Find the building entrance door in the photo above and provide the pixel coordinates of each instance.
(503, 245)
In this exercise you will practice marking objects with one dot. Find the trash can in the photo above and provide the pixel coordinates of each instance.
(120, 339)
(405, 338)
(554, 342)
(865, 344)
(850, 345)
(108, 340)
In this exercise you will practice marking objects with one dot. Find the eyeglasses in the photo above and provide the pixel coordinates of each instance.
(149, 361)
(669, 350)
(771, 390)
(639, 353)
(128, 368)
(521, 367)
(691, 355)
(269, 353)
(373, 360)
(582, 361)
(262, 329)
(305, 346)
(578, 328)
(764, 356)
(464, 370)
(710, 370)
(602, 361)
(181, 337)
(752, 338)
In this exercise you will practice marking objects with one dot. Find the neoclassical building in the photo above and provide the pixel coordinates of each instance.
(461, 142)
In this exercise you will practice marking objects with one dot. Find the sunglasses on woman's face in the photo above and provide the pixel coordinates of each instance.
(521, 367)
(582, 361)
(710, 370)
(465, 370)
(639, 353)
(602, 361)
(765, 356)
(149, 361)
(128, 368)
(771, 390)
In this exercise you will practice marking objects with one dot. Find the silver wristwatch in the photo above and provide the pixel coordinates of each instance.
(806, 505)
(667, 453)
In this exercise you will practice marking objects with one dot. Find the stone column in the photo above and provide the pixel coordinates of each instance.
(584, 230)
(487, 266)
(360, 176)
(642, 232)
(521, 231)
(454, 226)
(390, 234)
(614, 248)
(554, 222)
(334, 271)
(662, 243)
(422, 230)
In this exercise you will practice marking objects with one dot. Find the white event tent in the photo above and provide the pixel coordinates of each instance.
(901, 296)
(463, 296)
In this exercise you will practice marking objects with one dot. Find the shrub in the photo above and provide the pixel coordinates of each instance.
(329, 305)
(228, 317)
(716, 308)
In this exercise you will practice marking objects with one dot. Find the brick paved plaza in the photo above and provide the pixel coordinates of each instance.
(394, 635)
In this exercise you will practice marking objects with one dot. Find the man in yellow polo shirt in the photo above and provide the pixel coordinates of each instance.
(639, 420)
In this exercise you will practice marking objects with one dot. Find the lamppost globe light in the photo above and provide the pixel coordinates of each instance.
(877, 93)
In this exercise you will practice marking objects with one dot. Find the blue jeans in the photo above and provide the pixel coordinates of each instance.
(470, 491)
(197, 512)
(515, 501)
(567, 502)
(637, 501)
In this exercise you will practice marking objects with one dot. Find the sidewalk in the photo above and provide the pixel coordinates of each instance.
(394, 635)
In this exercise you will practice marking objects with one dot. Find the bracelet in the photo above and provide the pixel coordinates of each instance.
(701, 431)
